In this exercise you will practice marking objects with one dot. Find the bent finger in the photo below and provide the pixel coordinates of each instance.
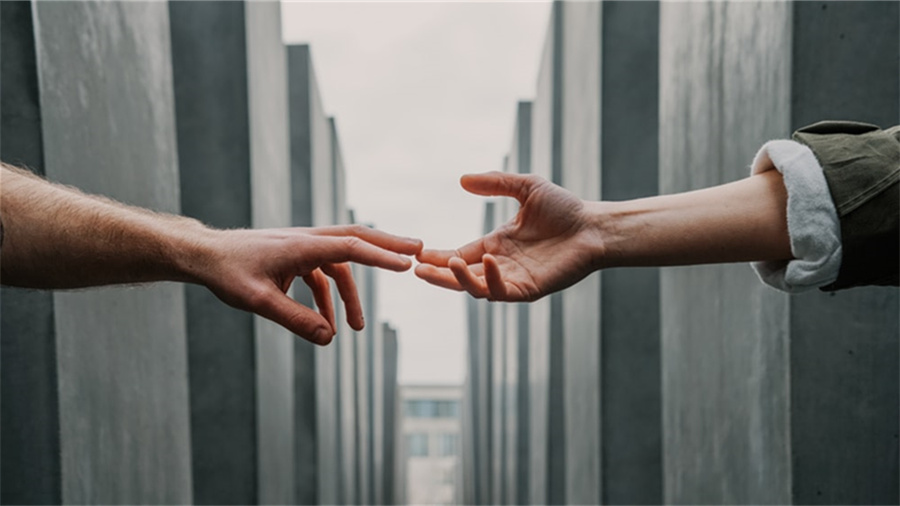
(343, 278)
(467, 279)
(295, 317)
(321, 290)
(438, 276)
(494, 278)
(395, 243)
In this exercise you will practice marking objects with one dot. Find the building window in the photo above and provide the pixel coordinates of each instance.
(426, 408)
(417, 444)
(448, 445)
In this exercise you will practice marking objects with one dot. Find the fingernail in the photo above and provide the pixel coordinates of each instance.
(323, 335)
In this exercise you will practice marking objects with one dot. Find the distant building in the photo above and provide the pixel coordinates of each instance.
(431, 467)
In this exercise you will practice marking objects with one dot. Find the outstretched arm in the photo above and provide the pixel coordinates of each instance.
(57, 237)
(556, 239)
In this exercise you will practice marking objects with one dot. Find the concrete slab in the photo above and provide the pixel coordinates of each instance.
(580, 167)
(209, 65)
(724, 335)
(271, 207)
(517, 406)
(547, 476)
(316, 380)
(29, 401)
(391, 415)
(801, 407)
(116, 446)
(844, 353)
(631, 419)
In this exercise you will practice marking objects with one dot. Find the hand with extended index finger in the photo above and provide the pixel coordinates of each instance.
(548, 246)
(253, 269)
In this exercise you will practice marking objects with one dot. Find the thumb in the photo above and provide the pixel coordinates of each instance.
(496, 183)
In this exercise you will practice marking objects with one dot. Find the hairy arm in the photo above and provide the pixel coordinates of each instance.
(556, 239)
(57, 237)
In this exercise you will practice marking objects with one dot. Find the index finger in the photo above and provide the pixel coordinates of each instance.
(395, 243)
(337, 250)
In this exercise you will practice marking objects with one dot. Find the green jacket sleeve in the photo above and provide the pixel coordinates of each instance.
(861, 165)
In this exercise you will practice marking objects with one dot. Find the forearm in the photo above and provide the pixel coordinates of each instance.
(736, 222)
(58, 237)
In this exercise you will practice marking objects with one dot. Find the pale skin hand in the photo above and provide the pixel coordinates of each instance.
(56, 237)
(556, 239)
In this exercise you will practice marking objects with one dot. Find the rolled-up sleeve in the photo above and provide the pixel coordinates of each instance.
(843, 206)
(813, 224)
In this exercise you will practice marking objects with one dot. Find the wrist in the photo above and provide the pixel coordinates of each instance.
(598, 227)
(617, 228)
(191, 251)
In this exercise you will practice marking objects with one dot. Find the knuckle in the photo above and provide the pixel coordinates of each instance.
(258, 298)
(352, 243)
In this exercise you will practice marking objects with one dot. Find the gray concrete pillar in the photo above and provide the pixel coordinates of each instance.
(770, 398)
(209, 62)
(378, 390)
(374, 392)
(349, 351)
(29, 401)
(391, 416)
(270, 182)
(316, 375)
(547, 417)
(580, 169)
(498, 311)
(108, 128)
(471, 436)
(516, 387)
(486, 400)
(510, 351)
(630, 390)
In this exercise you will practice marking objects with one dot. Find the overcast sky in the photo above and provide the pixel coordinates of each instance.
(422, 93)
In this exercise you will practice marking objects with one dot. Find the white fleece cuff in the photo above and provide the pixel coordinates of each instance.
(813, 224)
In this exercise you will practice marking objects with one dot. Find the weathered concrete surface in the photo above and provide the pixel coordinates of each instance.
(497, 380)
(373, 424)
(29, 414)
(485, 393)
(515, 352)
(736, 359)
(724, 335)
(471, 436)
(209, 62)
(580, 168)
(391, 410)
(630, 424)
(378, 388)
(270, 179)
(547, 440)
(316, 375)
(109, 128)
(844, 353)
(348, 350)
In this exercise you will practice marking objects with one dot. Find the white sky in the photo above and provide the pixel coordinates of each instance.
(422, 93)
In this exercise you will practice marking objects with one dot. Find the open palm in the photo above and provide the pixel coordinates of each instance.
(548, 246)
